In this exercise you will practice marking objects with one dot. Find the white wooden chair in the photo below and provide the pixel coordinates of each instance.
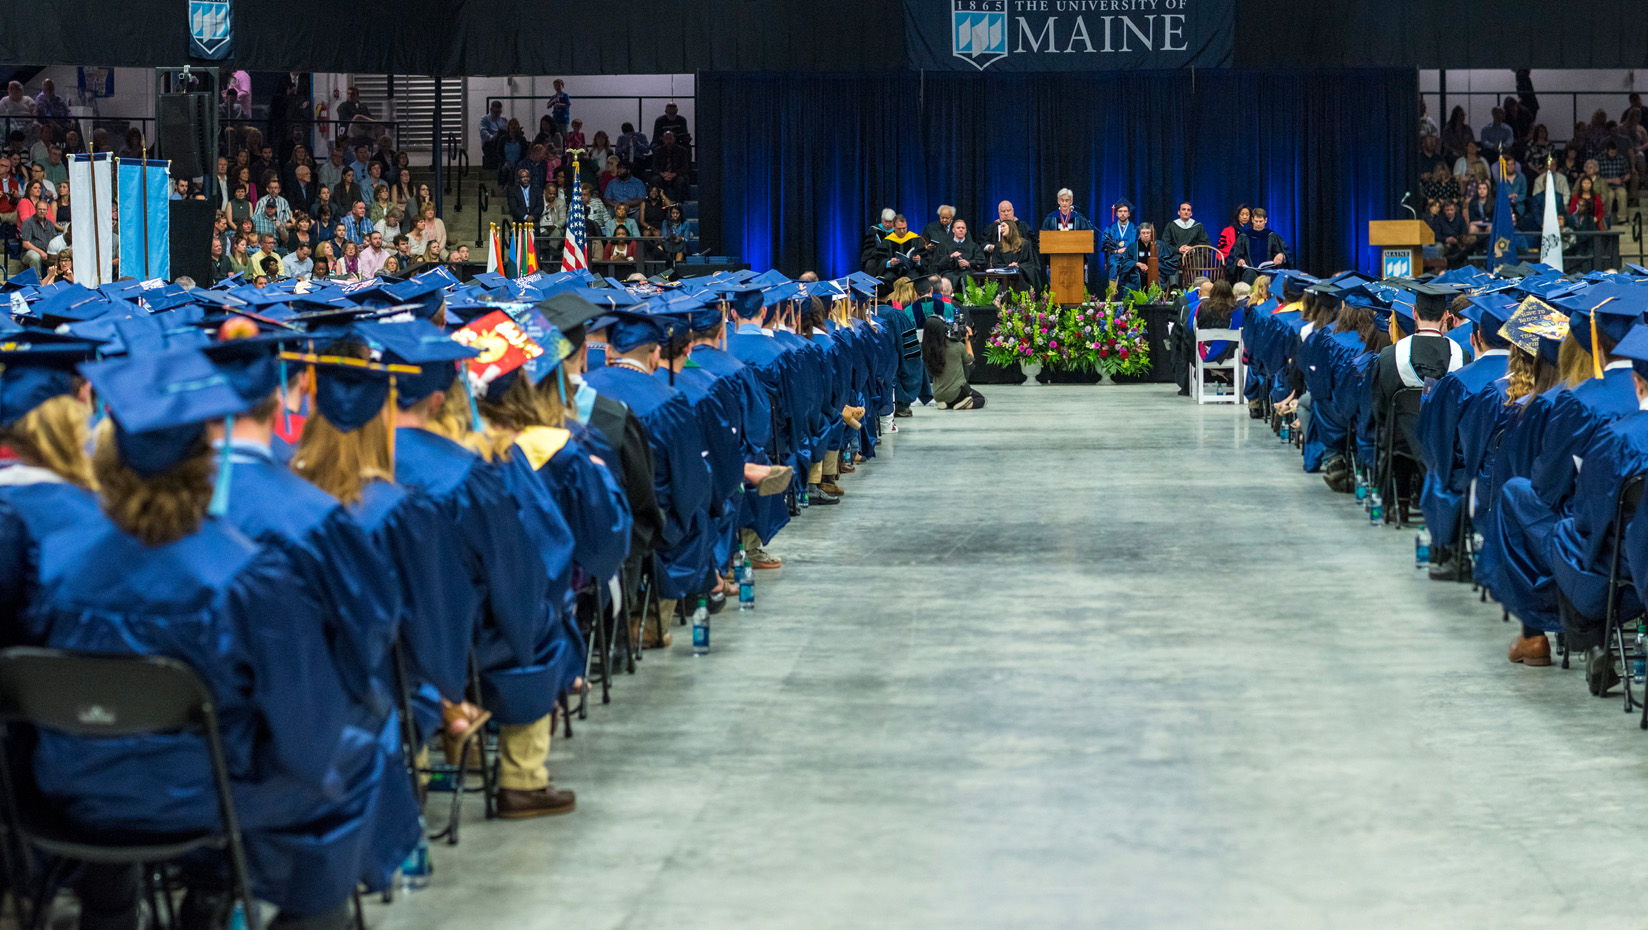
(1199, 368)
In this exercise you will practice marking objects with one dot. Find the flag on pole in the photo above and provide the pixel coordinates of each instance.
(573, 256)
(520, 249)
(494, 251)
(1550, 236)
(531, 265)
(146, 210)
(91, 217)
(1503, 247)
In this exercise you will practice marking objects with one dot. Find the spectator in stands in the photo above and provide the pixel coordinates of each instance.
(458, 257)
(266, 249)
(304, 191)
(424, 197)
(1539, 151)
(374, 179)
(553, 221)
(1440, 185)
(34, 202)
(233, 108)
(625, 189)
(57, 170)
(596, 215)
(349, 265)
(1586, 205)
(674, 233)
(560, 107)
(512, 150)
(47, 104)
(36, 234)
(299, 264)
(1430, 152)
(381, 204)
(361, 164)
(608, 172)
(325, 210)
(283, 209)
(547, 133)
(653, 210)
(1456, 134)
(672, 121)
(1239, 221)
(391, 225)
(671, 163)
(331, 173)
(574, 138)
(267, 223)
(433, 230)
(1497, 136)
(356, 225)
(219, 268)
(632, 146)
(348, 193)
(600, 147)
(14, 103)
(387, 160)
(492, 129)
(622, 220)
(417, 241)
(240, 208)
(1471, 164)
(351, 109)
(620, 248)
(1452, 233)
(537, 165)
(1427, 125)
(373, 255)
(525, 201)
(404, 192)
(1615, 173)
(61, 268)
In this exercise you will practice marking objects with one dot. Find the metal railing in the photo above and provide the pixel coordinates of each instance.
(1558, 110)
(233, 136)
(641, 124)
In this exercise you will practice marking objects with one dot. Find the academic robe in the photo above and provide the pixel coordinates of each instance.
(319, 782)
(1431, 359)
(872, 259)
(621, 433)
(949, 255)
(516, 637)
(1441, 444)
(587, 494)
(759, 359)
(1241, 251)
(716, 403)
(1173, 236)
(34, 504)
(1579, 548)
(681, 477)
(1121, 254)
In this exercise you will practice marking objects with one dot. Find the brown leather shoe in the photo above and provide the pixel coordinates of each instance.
(514, 804)
(1532, 650)
(830, 487)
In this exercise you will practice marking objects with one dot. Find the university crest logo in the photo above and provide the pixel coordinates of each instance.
(978, 31)
(209, 28)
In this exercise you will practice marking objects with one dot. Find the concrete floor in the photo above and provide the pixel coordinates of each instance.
(1089, 657)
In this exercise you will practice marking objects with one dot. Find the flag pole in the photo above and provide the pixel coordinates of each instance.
(143, 171)
(97, 240)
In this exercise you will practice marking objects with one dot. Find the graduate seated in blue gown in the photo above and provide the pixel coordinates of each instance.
(322, 799)
(520, 641)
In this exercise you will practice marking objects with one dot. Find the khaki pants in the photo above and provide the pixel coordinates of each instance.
(1613, 200)
(750, 540)
(523, 752)
(816, 473)
(832, 464)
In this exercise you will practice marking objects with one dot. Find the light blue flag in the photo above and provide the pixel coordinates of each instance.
(145, 219)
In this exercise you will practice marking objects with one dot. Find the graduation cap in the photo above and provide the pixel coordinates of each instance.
(1283, 278)
(252, 363)
(1490, 312)
(161, 402)
(1536, 326)
(68, 305)
(779, 293)
(32, 373)
(1635, 347)
(491, 280)
(417, 342)
(631, 329)
(567, 311)
(1429, 298)
(29, 278)
(350, 391)
(770, 278)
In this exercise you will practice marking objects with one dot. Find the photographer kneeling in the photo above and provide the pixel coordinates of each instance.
(947, 350)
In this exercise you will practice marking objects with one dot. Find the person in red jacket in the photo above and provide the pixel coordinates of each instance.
(1227, 239)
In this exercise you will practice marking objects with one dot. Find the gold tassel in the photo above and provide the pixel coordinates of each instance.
(392, 409)
(1596, 348)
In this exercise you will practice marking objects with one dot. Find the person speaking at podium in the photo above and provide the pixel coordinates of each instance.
(1066, 216)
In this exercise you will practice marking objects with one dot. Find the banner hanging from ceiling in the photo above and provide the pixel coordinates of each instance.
(1069, 35)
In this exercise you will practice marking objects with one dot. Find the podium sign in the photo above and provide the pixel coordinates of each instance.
(1399, 263)
(1067, 251)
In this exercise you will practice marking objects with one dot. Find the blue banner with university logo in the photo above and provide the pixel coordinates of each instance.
(210, 35)
(1069, 35)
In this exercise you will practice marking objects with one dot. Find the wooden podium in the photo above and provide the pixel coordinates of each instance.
(1402, 246)
(1067, 251)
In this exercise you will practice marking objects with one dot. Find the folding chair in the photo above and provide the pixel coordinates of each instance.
(1199, 367)
(1613, 628)
(1404, 403)
(110, 697)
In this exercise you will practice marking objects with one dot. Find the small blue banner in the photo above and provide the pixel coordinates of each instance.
(145, 218)
(210, 36)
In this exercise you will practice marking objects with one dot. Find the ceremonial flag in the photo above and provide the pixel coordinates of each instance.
(91, 217)
(531, 266)
(573, 257)
(146, 213)
(1550, 237)
(494, 251)
(1503, 241)
(520, 249)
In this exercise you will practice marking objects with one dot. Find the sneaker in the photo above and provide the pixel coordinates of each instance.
(966, 403)
(903, 412)
(943, 406)
(821, 498)
(761, 558)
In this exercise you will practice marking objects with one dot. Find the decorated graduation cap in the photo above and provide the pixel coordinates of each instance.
(161, 402)
(32, 373)
(416, 342)
(1536, 326)
(512, 343)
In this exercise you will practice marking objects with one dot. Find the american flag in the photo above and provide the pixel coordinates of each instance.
(572, 254)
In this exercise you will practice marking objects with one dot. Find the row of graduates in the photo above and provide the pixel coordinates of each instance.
(1526, 431)
(345, 517)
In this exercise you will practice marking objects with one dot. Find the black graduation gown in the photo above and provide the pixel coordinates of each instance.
(950, 266)
(1430, 357)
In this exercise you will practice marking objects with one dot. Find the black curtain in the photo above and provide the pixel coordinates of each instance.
(795, 167)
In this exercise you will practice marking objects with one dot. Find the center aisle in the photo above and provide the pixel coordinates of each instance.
(1088, 657)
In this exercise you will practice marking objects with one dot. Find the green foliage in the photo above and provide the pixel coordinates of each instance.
(972, 295)
(1106, 337)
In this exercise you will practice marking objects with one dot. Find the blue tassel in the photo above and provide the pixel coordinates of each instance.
(560, 386)
(285, 414)
(220, 490)
(475, 421)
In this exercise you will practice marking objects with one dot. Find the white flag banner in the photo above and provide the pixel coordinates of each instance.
(91, 218)
(1550, 237)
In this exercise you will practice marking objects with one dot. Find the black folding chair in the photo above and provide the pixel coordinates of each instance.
(1625, 507)
(108, 697)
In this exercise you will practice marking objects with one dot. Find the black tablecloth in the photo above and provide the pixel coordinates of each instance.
(983, 320)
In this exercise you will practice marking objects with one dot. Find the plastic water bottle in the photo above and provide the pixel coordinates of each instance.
(746, 583)
(1361, 486)
(804, 502)
(701, 629)
(1639, 672)
(1422, 549)
(1284, 432)
(1376, 509)
(1476, 549)
(416, 870)
(237, 914)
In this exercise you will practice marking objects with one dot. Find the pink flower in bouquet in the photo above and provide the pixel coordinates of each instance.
(1055, 344)
(1122, 352)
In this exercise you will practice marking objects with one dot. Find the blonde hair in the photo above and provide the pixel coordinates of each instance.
(53, 436)
(522, 405)
(1573, 361)
(1519, 375)
(1261, 290)
(158, 510)
(340, 463)
(452, 419)
(904, 293)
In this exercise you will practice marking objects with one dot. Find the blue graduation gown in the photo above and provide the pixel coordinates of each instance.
(323, 798)
(1122, 268)
(586, 494)
(516, 634)
(763, 515)
(1579, 547)
(1441, 440)
(719, 413)
(33, 508)
(681, 476)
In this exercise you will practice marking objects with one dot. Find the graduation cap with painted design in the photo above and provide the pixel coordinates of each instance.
(1536, 326)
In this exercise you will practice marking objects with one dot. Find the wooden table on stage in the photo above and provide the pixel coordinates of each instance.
(1067, 251)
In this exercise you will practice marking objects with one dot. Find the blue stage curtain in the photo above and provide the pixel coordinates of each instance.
(793, 168)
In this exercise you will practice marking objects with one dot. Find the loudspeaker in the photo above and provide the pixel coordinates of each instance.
(185, 133)
(191, 240)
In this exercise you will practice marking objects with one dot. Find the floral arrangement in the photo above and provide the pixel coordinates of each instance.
(1104, 337)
